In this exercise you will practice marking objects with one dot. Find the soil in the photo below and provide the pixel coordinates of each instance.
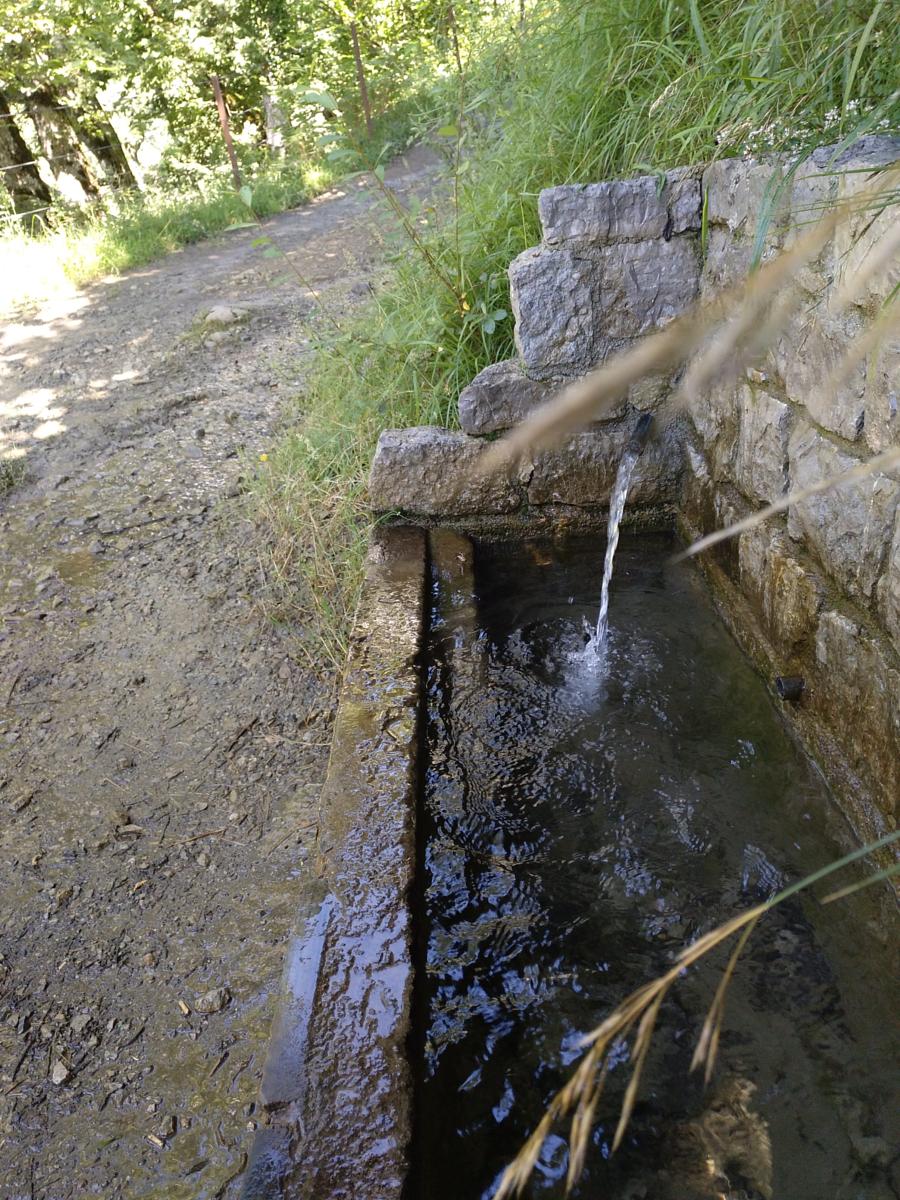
(162, 746)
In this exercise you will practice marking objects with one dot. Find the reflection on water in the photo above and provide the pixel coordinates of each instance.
(579, 832)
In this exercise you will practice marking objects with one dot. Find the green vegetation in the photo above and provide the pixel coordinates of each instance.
(586, 90)
(81, 247)
(110, 141)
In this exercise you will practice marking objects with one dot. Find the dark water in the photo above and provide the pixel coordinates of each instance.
(579, 833)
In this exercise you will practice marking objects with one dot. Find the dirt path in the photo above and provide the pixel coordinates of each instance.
(160, 749)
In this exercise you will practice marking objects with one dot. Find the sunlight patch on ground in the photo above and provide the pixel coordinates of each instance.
(31, 416)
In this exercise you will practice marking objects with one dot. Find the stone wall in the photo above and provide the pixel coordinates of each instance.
(815, 594)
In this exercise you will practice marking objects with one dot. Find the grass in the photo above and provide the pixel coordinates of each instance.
(12, 473)
(592, 90)
(83, 247)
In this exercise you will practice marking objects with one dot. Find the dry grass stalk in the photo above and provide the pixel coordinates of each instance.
(737, 310)
(581, 1094)
(873, 466)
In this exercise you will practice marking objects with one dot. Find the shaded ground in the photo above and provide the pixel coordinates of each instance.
(160, 749)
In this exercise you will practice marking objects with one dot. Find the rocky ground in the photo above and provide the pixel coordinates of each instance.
(162, 749)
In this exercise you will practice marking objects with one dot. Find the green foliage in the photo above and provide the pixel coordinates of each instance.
(591, 89)
(157, 59)
(82, 248)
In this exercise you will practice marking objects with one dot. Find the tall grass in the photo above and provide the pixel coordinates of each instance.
(85, 245)
(591, 89)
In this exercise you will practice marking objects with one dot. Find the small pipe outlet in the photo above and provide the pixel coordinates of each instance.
(640, 434)
(789, 687)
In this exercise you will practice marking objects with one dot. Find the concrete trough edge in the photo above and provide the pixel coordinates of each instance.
(337, 1084)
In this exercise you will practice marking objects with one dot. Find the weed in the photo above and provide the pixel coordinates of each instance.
(12, 473)
(587, 91)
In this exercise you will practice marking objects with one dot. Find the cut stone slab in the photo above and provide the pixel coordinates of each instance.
(889, 589)
(555, 298)
(575, 308)
(430, 472)
(736, 190)
(582, 472)
(859, 692)
(761, 466)
(499, 397)
(621, 210)
(849, 527)
(715, 413)
(338, 1079)
(810, 349)
(882, 400)
(787, 595)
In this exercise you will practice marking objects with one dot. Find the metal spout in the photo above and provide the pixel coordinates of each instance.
(640, 434)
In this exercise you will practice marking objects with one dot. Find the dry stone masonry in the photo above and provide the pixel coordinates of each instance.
(816, 593)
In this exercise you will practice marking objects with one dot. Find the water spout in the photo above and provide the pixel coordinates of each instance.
(640, 434)
(631, 454)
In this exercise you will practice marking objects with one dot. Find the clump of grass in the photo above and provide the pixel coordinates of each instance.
(588, 91)
(83, 246)
(12, 473)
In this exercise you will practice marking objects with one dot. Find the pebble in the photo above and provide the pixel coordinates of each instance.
(213, 1001)
(60, 1073)
(223, 314)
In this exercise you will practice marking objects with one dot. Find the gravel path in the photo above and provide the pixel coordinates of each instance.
(161, 750)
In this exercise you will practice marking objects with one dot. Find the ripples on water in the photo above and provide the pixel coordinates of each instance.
(581, 826)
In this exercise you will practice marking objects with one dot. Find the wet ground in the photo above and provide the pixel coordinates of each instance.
(161, 750)
(584, 824)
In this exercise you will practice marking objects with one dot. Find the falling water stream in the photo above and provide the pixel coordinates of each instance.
(616, 509)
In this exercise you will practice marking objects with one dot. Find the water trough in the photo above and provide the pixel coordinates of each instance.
(509, 842)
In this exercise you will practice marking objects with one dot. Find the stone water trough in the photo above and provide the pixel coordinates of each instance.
(814, 596)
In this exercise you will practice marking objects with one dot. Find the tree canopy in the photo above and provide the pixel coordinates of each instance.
(67, 66)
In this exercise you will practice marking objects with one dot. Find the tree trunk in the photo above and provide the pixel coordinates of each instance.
(21, 177)
(274, 125)
(59, 141)
(96, 131)
(361, 78)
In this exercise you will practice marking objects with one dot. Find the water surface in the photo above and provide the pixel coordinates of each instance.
(581, 827)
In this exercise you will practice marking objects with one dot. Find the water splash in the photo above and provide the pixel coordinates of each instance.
(598, 637)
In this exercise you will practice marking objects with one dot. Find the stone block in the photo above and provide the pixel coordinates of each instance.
(582, 472)
(762, 448)
(858, 692)
(889, 589)
(645, 285)
(575, 308)
(753, 565)
(737, 189)
(812, 346)
(621, 210)
(499, 397)
(715, 414)
(555, 300)
(727, 260)
(793, 600)
(787, 595)
(650, 392)
(882, 396)
(431, 472)
(848, 527)
(825, 179)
